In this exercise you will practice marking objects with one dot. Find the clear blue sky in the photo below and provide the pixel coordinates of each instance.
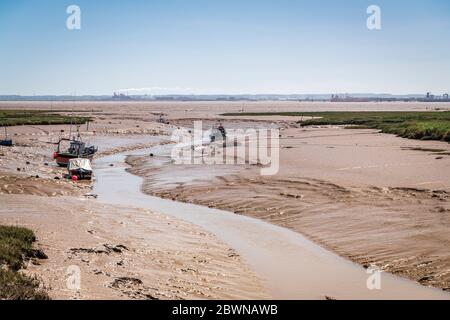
(226, 46)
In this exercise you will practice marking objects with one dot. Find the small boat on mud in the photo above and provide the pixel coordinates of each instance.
(80, 169)
(218, 133)
(77, 149)
(163, 120)
(6, 142)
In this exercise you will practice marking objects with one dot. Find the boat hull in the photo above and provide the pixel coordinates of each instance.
(6, 143)
(62, 160)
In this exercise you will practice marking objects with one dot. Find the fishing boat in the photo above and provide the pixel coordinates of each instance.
(80, 169)
(77, 149)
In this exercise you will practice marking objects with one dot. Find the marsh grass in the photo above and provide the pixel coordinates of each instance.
(36, 117)
(412, 125)
(16, 246)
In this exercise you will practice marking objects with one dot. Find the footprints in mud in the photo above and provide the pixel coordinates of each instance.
(442, 210)
(290, 195)
(118, 249)
(104, 249)
(436, 194)
(132, 288)
(34, 185)
(233, 254)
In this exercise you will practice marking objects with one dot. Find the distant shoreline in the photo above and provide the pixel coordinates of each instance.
(356, 97)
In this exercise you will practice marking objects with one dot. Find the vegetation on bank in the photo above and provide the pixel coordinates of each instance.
(16, 246)
(37, 117)
(412, 125)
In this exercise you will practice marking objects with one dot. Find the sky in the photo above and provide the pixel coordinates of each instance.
(224, 47)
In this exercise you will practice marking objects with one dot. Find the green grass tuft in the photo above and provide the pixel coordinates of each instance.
(16, 245)
(16, 286)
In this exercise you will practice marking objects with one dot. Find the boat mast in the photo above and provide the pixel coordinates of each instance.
(71, 116)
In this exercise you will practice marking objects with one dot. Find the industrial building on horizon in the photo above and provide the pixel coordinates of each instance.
(429, 97)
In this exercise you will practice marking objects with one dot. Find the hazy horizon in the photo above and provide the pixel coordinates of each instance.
(366, 94)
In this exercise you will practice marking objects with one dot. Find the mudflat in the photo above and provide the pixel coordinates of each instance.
(373, 198)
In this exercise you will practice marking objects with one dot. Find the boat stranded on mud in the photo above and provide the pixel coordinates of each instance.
(79, 169)
(6, 142)
(218, 133)
(77, 149)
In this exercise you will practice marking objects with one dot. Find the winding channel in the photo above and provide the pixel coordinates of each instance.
(289, 265)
